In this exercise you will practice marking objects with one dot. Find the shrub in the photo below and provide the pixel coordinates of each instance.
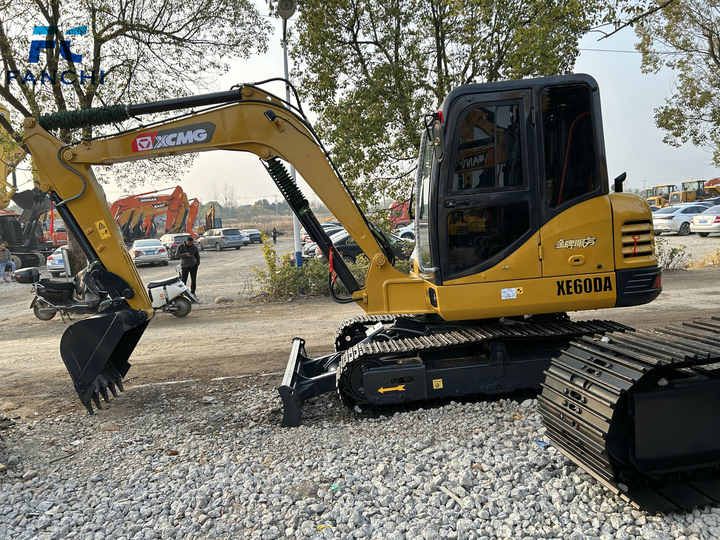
(282, 279)
(669, 257)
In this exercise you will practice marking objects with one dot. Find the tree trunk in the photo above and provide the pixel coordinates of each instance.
(76, 257)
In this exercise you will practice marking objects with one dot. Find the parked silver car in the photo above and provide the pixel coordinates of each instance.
(676, 218)
(707, 222)
(150, 251)
(219, 239)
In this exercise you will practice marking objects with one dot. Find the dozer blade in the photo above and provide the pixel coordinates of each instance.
(638, 411)
(96, 351)
(304, 378)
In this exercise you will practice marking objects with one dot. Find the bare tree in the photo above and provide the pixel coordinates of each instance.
(59, 56)
(229, 199)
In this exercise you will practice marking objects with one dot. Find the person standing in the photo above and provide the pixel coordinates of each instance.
(274, 235)
(189, 261)
(5, 260)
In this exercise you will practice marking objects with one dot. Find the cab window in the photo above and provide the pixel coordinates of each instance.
(476, 235)
(488, 154)
(486, 206)
(571, 171)
(422, 213)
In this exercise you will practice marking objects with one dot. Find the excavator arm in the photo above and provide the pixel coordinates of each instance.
(96, 350)
(194, 208)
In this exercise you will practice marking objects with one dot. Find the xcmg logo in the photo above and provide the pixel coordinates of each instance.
(50, 41)
(169, 138)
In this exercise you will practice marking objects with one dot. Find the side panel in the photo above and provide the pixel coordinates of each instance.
(579, 240)
(526, 296)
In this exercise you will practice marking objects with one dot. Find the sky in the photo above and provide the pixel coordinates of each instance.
(633, 143)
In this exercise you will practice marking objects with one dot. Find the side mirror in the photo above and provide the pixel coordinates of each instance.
(411, 206)
(66, 261)
(619, 182)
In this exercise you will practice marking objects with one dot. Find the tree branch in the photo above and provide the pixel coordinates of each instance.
(638, 17)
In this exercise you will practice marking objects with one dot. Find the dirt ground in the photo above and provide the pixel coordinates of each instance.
(244, 337)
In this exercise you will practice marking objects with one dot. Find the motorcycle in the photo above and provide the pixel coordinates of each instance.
(82, 296)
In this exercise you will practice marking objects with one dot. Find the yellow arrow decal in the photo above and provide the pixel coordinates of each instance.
(398, 388)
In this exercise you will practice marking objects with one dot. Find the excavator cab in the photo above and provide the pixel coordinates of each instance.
(498, 164)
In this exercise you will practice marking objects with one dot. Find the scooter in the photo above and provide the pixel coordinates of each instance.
(171, 295)
(82, 296)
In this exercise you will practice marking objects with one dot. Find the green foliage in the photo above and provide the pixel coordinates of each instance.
(691, 30)
(281, 279)
(374, 68)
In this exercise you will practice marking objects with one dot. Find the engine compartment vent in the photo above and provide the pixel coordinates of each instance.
(637, 239)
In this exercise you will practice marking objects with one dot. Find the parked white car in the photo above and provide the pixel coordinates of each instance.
(55, 264)
(676, 218)
(150, 251)
(707, 222)
(406, 233)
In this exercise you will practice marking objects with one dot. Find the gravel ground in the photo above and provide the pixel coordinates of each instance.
(218, 466)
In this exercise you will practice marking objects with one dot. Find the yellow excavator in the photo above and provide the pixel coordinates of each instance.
(691, 191)
(660, 195)
(522, 165)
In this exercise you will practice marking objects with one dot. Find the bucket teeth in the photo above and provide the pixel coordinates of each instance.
(96, 399)
(111, 380)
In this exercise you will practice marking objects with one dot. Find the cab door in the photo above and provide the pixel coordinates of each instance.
(487, 205)
(577, 234)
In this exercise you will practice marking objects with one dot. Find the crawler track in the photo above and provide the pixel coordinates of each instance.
(449, 340)
(639, 412)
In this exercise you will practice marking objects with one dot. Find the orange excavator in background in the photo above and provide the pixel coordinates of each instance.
(192, 217)
(54, 230)
(135, 213)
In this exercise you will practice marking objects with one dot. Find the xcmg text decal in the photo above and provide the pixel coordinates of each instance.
(170, 138)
